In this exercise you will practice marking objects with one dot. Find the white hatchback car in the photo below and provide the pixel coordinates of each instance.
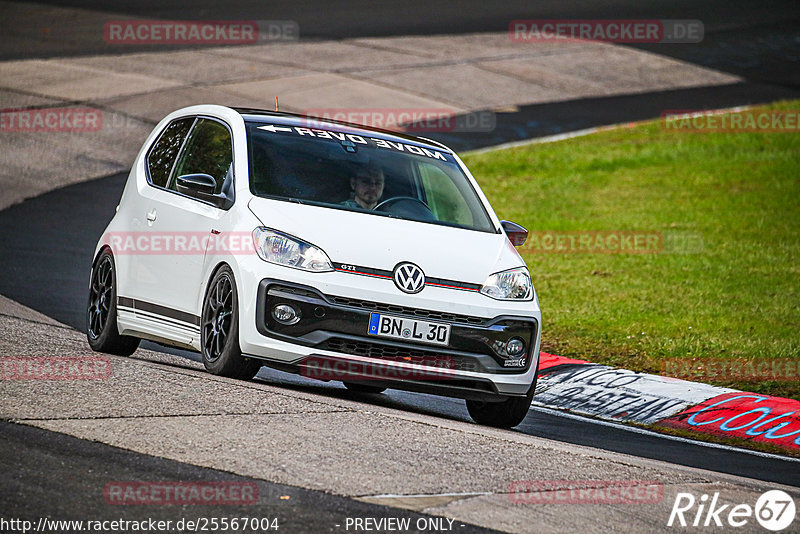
(333, 250)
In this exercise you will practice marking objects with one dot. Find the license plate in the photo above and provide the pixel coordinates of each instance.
(408, 329)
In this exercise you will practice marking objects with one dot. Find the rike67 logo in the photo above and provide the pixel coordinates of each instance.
(774, 510)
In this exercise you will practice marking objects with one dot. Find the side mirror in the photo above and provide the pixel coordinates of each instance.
(516, 233)
(196, 184)
(202, 186)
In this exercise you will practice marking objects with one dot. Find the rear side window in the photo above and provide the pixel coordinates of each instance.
(163, 154)
(209, 151)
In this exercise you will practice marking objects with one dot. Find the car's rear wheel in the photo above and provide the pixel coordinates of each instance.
(101, 312)
(219, 330)
(363, 388)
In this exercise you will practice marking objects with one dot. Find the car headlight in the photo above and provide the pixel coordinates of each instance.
(276, 247)
(514, 284)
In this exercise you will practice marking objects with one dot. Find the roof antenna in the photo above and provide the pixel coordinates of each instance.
(276, 102)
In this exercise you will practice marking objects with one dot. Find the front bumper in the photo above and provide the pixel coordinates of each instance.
(334, 328)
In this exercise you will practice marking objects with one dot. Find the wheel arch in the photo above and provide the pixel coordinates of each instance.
(97, 255)
(100, 253)
(210, 276)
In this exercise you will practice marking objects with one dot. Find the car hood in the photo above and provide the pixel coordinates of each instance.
(378, 242)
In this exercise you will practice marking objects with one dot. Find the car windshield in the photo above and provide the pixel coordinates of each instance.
(337, 168)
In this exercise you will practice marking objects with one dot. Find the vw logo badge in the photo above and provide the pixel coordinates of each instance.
(409, 278)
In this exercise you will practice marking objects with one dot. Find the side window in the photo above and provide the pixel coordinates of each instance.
(443, 196)
(162, 154)
(209, 151)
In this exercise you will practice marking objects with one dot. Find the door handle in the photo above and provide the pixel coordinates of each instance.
(151, 215)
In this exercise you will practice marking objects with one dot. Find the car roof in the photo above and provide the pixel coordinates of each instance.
(309, 121)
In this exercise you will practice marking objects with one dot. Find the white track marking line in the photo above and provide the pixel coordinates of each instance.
(588, 131)
(424, 495)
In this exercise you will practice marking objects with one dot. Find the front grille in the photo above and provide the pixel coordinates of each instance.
(340, 324)
(405, 310)
(415, 356)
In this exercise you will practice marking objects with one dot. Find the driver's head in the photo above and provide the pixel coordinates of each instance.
(367, 185)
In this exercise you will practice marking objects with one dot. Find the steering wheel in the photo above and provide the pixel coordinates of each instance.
(410, 207)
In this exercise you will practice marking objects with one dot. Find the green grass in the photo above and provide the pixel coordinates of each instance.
(727, 283)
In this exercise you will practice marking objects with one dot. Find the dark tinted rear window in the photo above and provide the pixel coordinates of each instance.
(162, 156)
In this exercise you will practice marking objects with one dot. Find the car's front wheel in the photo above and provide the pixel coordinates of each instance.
(219, 330)
(101, 312)
(505, 414)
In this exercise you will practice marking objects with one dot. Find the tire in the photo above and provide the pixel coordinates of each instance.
(101, 310)
(363, 388)
(219, 330)
(504, 414)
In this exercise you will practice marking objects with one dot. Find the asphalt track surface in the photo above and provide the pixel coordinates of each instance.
(48, 243)
(757, 40)
(540, 120)
(49, 455)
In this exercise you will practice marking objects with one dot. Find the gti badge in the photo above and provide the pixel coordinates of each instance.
(409, 278)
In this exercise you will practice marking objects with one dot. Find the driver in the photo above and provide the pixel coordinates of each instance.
(367, 187)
